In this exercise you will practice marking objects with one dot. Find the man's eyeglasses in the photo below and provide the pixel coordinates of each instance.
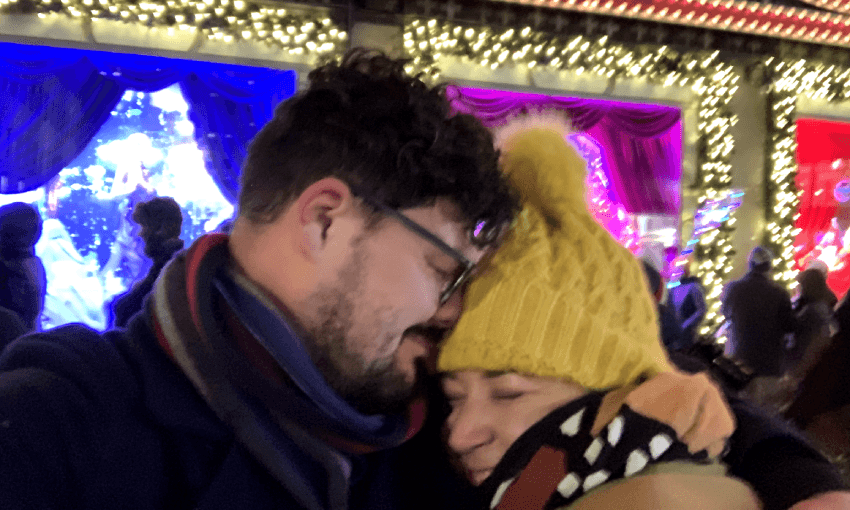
(467, 266)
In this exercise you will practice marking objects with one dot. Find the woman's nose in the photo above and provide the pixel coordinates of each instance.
(469, 428)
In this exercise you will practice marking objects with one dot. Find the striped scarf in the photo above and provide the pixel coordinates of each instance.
(296, 426)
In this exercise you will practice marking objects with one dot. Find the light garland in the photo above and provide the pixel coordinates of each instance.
(714, 82)
(787, 81)
(770, 19)
(219, 20)
(711, 215)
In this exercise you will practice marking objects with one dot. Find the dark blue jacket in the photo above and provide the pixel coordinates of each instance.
(90, 421)
(110, 422)
(688, 298)
(760, 313)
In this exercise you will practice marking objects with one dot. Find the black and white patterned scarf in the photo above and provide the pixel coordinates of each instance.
(558, 460)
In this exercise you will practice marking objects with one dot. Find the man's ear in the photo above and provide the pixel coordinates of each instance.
(318, 206)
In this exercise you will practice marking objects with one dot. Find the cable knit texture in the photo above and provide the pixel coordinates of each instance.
(560, 298)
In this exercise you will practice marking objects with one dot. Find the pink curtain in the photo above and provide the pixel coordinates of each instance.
(642, 144)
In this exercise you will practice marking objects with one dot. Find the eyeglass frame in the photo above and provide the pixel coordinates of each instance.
(467, 265)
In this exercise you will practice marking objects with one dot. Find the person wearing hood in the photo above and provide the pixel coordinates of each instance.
(24, 281)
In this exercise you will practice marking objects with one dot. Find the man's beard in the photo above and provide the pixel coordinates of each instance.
(375, 387)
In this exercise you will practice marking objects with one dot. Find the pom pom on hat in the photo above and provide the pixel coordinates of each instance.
(547, 171)
(560, 298)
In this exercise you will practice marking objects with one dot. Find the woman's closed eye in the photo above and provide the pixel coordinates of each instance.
(506, 395)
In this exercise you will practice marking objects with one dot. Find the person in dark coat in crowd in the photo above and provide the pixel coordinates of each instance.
(760, 314)
(822, 404)
(671, 331)
(160, 220)
(286, 365)
(823, 269)
(23, 281)
(688, 299)
(813, 311)
(11, 327)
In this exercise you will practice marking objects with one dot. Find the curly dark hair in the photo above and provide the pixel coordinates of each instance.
(388, 135)
(160, 218)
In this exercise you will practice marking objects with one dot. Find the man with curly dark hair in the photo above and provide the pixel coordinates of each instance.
(267, 364)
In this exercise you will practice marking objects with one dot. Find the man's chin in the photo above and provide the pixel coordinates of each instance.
(388, 393)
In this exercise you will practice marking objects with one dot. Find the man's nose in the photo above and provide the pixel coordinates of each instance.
(449, 312)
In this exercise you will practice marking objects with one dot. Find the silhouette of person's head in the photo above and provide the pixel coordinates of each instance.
(20, 228)
(161, 221)
(760, 260)
(23, 280)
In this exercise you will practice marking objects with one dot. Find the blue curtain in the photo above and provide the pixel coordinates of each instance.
(54, 100)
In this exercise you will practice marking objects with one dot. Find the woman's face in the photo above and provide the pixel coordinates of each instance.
(490, 410)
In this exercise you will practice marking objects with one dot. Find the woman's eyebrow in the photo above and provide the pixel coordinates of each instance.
(492, 374)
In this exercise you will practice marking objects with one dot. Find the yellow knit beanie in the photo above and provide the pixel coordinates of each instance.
(560, 298)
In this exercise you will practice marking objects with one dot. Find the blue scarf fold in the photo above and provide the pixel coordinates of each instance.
(324, 406)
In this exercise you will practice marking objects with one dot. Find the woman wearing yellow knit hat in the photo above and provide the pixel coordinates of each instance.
(541, 370)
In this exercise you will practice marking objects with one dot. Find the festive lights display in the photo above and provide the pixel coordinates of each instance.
(220, 20)
(713, 82)
(788, 80)
(711, 215)
(832, 5)
(606, 211)
(759, 18)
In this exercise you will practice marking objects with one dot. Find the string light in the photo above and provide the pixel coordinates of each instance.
(714, 83)
(789, 79)
(218, 20)
(753, 17)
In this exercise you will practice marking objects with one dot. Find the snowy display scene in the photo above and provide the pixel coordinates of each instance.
(89, 245)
